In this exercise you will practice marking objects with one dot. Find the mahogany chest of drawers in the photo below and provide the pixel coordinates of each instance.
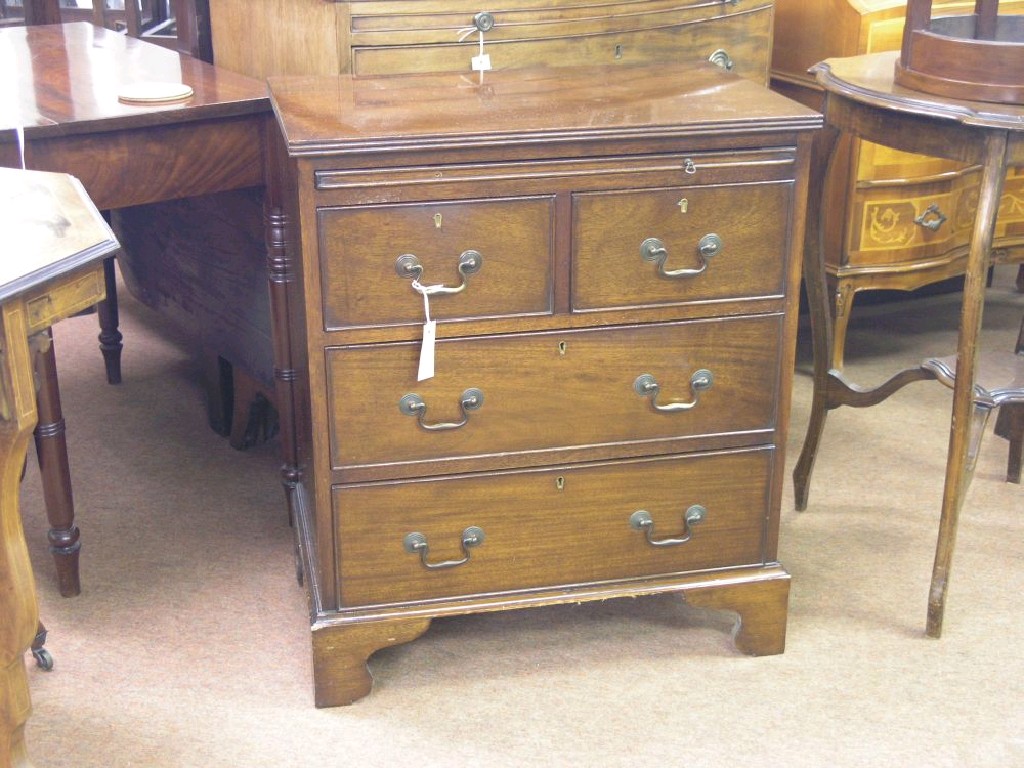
(611, 259)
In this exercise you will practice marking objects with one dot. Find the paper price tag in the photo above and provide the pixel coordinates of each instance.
(426, 370)
(482, 62)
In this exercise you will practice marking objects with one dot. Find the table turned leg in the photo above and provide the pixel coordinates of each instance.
(18, 605)
(110, 337)
(52, 454)
(341, 651)
(762, 607)
(957, 464)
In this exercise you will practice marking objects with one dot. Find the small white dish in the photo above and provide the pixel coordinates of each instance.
(153, 93)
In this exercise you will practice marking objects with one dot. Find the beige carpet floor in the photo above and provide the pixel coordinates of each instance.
(189, 645)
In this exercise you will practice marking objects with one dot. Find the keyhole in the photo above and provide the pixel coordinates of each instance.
(559, 482)
(437, 220)
(683, 204)
(562, 346)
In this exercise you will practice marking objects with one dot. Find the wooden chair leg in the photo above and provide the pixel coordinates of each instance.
(110, 337)
(253, 416)
(52, 453)
(217, 382)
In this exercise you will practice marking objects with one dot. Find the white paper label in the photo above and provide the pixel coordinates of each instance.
(426, 370)
(482, 62)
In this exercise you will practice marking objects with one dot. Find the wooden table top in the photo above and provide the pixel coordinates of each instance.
(65, 79)
(870, 79)
(50, 227)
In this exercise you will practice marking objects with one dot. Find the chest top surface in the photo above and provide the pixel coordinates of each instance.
(347, 114)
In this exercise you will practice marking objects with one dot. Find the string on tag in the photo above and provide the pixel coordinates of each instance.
(425, 290)
(482, 22)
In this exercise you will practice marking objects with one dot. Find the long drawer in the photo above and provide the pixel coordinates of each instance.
(544, 391)
(550, 527)
(684, 31)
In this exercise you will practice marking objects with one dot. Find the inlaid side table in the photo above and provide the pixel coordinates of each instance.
(862, 98)
(51, 266)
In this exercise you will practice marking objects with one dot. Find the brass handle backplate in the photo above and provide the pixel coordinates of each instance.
(931, 218)
(416, 543)
(721, 58)
(646, 385)
(414, 405)
(641, 520)
(408, 266)
(653, 249)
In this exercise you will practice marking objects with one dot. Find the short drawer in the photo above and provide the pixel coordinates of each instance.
(549, 527)
(63, 298)
(360, 248)
(681, 244)
(552, 390)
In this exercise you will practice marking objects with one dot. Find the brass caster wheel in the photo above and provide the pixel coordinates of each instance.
(44, 659)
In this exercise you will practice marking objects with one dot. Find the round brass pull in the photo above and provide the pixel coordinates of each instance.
(414, 405)
(484, 21)
(641, 521)
(409, 267)
(653, 249)
(931, 218)
(416, 542)
(646, 385)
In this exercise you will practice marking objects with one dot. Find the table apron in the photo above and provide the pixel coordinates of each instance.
(155, 163)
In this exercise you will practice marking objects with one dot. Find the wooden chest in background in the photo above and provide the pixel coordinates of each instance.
(612, 258)
(297, 37)
(893, 220)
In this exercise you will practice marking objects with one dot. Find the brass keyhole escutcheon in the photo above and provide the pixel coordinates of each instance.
(559, 482)
(684, 205)
(562, 346)
(437, 220)
(618, 51)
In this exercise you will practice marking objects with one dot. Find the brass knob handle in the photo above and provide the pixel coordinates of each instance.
(416, 543)
(414, 405)
(646, 385)
(641, 520)
(653, 249)
(484, 21)
(408, 266)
